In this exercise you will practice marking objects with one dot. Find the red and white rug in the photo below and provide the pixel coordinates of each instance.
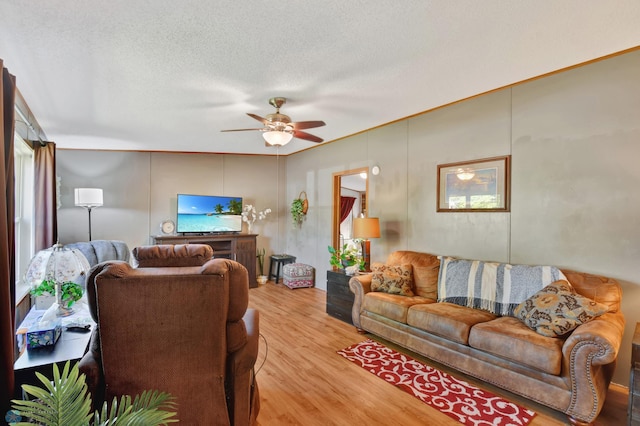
(456, 398)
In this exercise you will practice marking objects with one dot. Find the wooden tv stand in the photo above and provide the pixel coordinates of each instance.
(238, 247)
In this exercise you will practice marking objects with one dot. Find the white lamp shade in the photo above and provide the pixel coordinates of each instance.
(277, 138)
(88, 197)
(366, 227)
(56, 263)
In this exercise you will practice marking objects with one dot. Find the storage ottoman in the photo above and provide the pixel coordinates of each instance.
(297, 275)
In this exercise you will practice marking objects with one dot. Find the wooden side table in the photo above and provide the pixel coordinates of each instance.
(634, 380)
(339, 297)
(71, 346)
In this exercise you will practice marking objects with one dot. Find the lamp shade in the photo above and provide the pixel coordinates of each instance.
(278, 138)
(366, 227)
(58, 266)
(88, 197)
(56, 263)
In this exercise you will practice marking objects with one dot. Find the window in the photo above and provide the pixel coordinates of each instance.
(23, 158)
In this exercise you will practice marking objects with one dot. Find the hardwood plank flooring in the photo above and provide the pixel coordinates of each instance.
(303, 381)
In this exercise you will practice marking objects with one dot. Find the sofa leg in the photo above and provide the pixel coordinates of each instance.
(576, 422)
(361, 331)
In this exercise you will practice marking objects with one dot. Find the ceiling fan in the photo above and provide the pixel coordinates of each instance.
(279, 129)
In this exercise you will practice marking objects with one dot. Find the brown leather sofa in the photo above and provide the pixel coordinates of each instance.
(177, 323)
(569, 374)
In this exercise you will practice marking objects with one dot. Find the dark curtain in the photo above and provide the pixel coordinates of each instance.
(346, 204)
(45, 208)
(7, 240)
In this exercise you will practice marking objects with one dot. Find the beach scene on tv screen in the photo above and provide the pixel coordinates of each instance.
(197, 213)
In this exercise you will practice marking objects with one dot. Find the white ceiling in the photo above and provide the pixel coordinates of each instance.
(168, 75)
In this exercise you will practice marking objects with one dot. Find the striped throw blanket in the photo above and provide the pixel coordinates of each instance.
(495, 287)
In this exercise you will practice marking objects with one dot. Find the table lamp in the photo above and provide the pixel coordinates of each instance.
(59, 265)
(365, 228)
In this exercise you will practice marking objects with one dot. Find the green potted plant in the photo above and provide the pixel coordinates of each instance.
(262, 278)
(345, 256)
(65, 400)
(45, 294)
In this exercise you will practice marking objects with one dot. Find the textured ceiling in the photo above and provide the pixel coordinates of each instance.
(167, 75)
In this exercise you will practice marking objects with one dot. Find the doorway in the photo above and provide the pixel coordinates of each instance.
(350, 200)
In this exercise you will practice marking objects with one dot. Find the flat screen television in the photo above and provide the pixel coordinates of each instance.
(200, 214)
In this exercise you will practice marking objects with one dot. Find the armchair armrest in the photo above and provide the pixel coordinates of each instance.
(589, 355)
(242, 389)
(359, 286)
(91, 366)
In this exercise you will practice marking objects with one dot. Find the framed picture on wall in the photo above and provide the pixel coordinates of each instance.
(475, 186)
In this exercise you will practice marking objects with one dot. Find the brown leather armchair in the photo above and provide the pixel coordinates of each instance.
(177, 323)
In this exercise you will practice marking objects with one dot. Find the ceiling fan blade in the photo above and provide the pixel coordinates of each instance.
(306, 136)
(239, 130)
(308, 124)
(257, 117)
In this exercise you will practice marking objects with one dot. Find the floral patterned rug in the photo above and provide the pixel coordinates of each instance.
(456, 398)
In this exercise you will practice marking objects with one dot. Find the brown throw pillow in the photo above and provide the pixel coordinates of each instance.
(392, 279)
(557, 310)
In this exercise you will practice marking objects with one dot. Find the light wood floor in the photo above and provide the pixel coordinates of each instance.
(304, 382)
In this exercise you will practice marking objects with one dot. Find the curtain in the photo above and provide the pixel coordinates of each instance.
(45, 202)
(346, 204)
(7, 239)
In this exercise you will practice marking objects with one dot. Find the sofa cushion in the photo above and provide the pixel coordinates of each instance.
(509, 338)
(557, 310)
(425, 270)
(601, 289)
(494, 287)
(391, 306)
(392, 279)
(447, 320)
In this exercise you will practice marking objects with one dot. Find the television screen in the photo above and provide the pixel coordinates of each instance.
(209, 213)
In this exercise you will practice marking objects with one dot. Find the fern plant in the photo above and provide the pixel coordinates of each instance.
(297, 211)
(66, 401)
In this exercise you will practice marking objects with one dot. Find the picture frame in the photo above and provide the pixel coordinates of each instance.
(482, 185)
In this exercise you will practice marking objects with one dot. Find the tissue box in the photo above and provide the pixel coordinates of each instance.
(43, 334)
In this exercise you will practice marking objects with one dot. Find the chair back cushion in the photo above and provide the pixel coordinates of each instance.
(172, 255)
(425, 270)
(102, 250)
(169, 329)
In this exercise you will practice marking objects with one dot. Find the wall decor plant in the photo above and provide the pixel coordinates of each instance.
(299, 208)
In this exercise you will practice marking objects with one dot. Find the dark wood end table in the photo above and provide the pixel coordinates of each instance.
(339, 296)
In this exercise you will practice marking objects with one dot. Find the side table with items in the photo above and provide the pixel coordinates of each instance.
(339, 296)
(71, 345)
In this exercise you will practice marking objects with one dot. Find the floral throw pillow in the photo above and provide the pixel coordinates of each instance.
(392, 279)
(557, 310)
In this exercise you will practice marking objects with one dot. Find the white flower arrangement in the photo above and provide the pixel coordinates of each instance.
(249, 215)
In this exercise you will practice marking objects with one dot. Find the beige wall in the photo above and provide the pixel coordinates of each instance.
(140, 191)
(575, 143)
(574, 138)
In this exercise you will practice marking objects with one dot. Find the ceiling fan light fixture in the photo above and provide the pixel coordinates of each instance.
(277, 137)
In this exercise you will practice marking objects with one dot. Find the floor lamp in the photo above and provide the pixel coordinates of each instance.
(365, 228)
(88, 198)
